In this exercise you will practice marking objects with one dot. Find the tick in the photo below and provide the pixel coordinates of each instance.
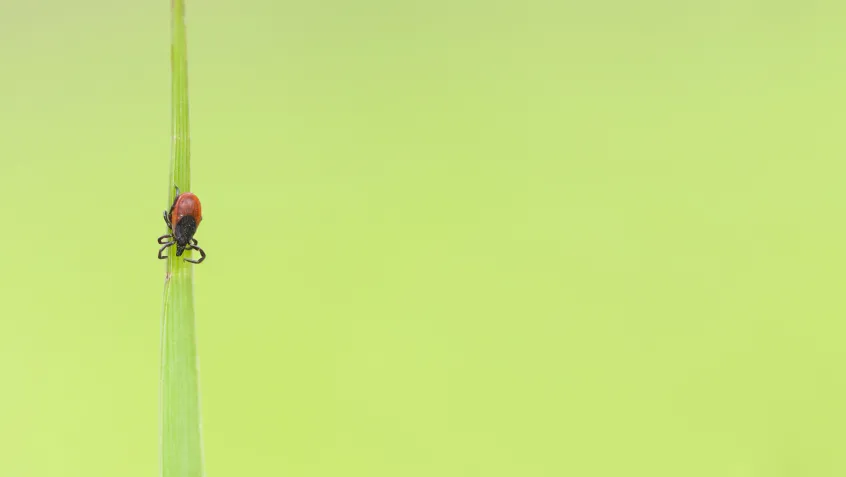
(183, 219)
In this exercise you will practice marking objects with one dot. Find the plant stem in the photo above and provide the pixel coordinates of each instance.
(181, 439)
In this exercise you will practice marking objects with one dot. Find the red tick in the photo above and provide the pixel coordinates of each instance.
(183, 219)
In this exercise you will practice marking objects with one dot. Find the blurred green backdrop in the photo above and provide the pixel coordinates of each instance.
(445, 238)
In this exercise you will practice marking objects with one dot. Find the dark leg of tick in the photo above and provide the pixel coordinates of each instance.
(202, 255)
(163, 249)
(165, 238)
(167, 213)
(194, 241)
(167, 219)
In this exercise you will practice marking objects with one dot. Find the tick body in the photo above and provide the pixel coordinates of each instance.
(182, 219)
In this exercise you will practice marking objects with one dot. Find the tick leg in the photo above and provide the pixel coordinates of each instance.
(202, 254)
(167, 219)
(163, 249)
(165, 238)
(194, 241)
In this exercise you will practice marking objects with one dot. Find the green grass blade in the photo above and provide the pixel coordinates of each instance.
(180, 158)
(181, 439)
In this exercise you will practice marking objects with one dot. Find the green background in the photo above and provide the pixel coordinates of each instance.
(444, 238)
